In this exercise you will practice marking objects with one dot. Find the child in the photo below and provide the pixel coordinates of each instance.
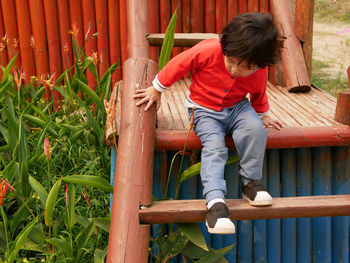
(223, 72)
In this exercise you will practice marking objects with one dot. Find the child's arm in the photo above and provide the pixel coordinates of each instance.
(149, 95)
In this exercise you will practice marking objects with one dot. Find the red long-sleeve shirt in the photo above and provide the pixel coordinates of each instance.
(213, 86)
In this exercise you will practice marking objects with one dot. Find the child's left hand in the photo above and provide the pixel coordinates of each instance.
(269, 122)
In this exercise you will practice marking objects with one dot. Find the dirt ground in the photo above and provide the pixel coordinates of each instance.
(331, 45)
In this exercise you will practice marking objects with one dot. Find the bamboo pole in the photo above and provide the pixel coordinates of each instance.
(10, 21)
(153, 8)
(54, 47)
(3, 51)
(232, 9)
(221, 15)
(176, 5)
(40, 41)
(295, 72)
(114, 39)
(89, 22)
(128, 240)
(123, 30)
(209, 19)
(76, 17)
(197, 16)
(65, 37)
(242, 6)
(304, 16)
(102, 39)
(253, 5)
(25, 34)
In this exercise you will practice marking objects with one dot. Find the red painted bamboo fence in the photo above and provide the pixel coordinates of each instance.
(38, 30)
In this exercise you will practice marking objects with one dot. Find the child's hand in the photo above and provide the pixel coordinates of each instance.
(149, 95)
(269, 122)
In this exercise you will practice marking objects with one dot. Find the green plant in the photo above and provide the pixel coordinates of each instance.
(54, 205)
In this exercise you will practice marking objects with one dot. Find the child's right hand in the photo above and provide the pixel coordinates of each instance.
(149, 96)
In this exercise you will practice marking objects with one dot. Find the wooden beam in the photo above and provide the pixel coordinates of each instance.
(180, 39)
(185, 211)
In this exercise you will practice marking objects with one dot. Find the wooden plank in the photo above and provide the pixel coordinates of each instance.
(169, 123)
(180, 39)
(184, 211)
(180, 106)
(173, 109)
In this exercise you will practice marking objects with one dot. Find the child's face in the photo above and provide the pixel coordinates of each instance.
(238, 68)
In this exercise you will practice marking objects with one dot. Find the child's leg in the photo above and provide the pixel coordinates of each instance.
(250, 138)
(211, 132)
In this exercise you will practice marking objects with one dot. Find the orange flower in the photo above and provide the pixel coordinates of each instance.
(47, 148)
(65, 48)
(3, 188)
(67, 197)
(18, 79)
(75, 30)
(95, 58)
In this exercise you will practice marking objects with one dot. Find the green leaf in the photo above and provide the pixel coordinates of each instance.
(168, 42)
(193, 232)
(215, 255)
(20, 240)
(91, 120)
(83, 239)
(5, 87)
(4, 219)
(39, 189)
(173, 246)
(91, 94)
(102, 222)
(40, 123)
(71, 206)
(62, 245)
(39, 145)
(8, 69)
(89, 180)
(39, 94)
(23, 159)
(68, 90)
(100, 255)
(20, 215)
(106, 87)
(51, 202)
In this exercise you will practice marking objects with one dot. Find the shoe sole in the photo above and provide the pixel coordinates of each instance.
(257, 203)
(219, 231)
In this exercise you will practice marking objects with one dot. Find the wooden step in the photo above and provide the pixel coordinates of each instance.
(184, 211)
(180, 39)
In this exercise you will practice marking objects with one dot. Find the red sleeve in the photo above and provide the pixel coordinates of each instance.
(258, 97)
(181, 64)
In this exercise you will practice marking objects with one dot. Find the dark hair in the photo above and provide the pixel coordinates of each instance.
(252, 37)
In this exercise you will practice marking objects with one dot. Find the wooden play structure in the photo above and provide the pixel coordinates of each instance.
(307, 166)
(307, 162)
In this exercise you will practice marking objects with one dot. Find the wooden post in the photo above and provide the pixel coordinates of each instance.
(304, 16)
(295, 72)
(128, 239)
(342, 110)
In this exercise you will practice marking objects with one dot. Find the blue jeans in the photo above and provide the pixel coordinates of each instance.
(249, 137)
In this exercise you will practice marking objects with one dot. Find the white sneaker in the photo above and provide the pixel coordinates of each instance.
(255, 193)
(218, 220)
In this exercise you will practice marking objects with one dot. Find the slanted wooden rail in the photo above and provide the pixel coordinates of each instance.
(184, 211)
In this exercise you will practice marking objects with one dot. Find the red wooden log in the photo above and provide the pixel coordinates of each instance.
(289, 137)
(232, 9)
(186, 16)
(3, 51)
(264, 6)
(102, 39)
(242, 6)
(176, 5)
(221, 15)
(342, 110)
(197, 16)
(123, 30)
(89, 33)
(65, 37)
(114, 39)
(253, 5)
(53, 37)
(293, 62)
(165, 14)
(185, 211)
(210, 17)
(304, 16)
(10, 21)
(25, 34)
(76, 16)
(153, 10)
(39, 38)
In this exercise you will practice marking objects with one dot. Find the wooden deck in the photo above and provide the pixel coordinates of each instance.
(312, 109)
